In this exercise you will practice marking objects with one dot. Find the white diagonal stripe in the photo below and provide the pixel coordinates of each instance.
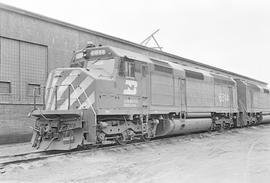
(64, 85)
(77, 92)
(55, 79)
(47, 86)
(88, 102)
(48, 80)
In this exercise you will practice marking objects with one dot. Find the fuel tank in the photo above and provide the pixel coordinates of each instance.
(177, 126)
(266, 119)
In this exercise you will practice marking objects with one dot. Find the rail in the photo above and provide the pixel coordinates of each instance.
(76, 94)
(5, 161)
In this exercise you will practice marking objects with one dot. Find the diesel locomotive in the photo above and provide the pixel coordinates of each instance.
(111, 95)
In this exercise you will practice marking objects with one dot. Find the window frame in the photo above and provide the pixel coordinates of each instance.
(127, 68)
(10, 88)
(32, 94)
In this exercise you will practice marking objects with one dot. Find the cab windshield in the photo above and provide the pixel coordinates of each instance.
(77, 60)
(104, 67)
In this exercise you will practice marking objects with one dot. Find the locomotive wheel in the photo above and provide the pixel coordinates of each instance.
(224, 125)
(120, 140)
(145, 137)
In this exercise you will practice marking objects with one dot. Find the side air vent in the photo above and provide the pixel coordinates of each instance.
(194, 75)
(222, 80)
(163, 69)
(266, 91)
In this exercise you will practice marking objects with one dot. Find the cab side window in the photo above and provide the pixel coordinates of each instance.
(127, 68)
(130, 69)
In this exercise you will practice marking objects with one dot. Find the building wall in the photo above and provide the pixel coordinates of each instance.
(15, 124)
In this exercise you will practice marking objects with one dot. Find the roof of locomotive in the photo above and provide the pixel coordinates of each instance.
(177, 66)
(132, 55)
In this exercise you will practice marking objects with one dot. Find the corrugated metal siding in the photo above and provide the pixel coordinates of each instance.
(222, 96)
(21, 64)
(162, 89)
(9, 69)
(261, 100)
(199, 93)
(242, 96)
(33, 62)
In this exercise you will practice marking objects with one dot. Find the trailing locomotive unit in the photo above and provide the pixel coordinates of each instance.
(111, 95)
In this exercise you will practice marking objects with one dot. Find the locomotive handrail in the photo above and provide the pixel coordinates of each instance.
(69, 93)
(76, 94)
(90, 103)
(95, 114)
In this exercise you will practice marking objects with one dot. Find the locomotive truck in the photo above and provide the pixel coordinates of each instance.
(110, 95)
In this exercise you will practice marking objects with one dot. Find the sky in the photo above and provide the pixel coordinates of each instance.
(230, 34)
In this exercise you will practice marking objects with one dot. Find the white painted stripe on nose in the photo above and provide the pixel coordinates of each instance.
(69, 79)
(55, 79)
(77, 93)
(88, 102)
(47, 85)
(64, 85)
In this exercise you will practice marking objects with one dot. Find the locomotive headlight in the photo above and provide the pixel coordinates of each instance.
(86, 54)
(79, 55)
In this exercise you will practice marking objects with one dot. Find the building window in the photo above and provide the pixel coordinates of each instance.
(5, 87)
(33, 87)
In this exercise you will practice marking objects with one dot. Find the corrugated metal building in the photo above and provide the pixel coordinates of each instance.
(30, 46)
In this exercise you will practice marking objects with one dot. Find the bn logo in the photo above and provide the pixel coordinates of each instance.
(130, 87)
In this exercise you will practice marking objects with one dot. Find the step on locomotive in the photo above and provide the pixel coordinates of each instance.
(110, 95)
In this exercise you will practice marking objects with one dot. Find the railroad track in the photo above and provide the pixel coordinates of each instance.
(42, 155)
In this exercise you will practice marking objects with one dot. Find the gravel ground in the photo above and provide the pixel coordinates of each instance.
(235, 156)
(12, 149)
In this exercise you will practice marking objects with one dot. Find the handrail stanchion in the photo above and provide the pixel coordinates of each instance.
(55, 97)
(68, 97)
(44, 89)
(35, 102)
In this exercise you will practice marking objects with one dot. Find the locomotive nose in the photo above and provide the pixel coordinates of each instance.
(69, 95)
(70, 88)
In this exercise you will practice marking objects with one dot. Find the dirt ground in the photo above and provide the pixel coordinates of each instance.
(235, 156)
